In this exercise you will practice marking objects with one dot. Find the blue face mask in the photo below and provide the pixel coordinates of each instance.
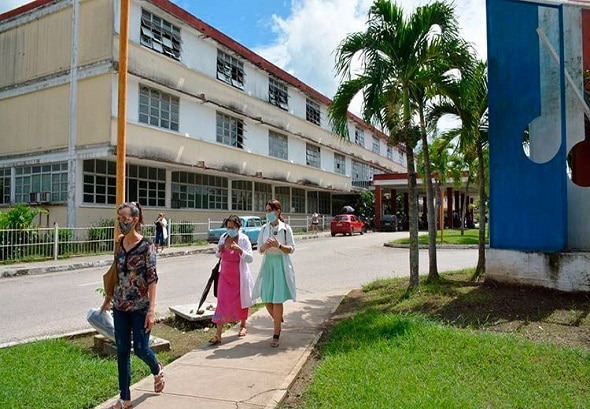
(232, 232)
(271, 216)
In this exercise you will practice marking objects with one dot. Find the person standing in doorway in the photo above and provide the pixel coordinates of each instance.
(161, 232)
(276, 281)
(234, 293)
(134, 301)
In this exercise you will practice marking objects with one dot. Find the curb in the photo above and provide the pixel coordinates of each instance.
(77, 265)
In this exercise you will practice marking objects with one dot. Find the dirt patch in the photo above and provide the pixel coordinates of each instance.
(535, 314)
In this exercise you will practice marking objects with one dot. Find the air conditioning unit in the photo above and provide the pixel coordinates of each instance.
(39, 197)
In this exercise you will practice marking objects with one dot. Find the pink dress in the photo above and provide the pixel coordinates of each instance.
(229, 307)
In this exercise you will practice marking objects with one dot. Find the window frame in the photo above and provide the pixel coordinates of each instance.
(152, 110)
(230, 131)
(313, 155)
(359, 136)
(278, 145)
(278, 94)
(230, 69)
(160, 35)
(339, 160)
(313, 112)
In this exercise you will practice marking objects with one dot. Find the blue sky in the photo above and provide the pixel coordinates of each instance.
(249, 22)
(300, 36)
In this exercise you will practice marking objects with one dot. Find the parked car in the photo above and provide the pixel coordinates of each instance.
(251, 227)
(346, 224)
(389, 222)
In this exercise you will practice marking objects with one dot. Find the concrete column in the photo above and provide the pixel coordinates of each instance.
(377, 207)
(393, 201)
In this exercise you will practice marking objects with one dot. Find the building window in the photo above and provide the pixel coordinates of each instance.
(230, 131)
(146, 185)
(230, 70)
(32, 181)
(158, 108)
(376, 145)
(325, 201)
(389, 153)
(312, 155)
(277, 145)
(359, 136)
(262, 195)
(278, 94)
(100, 182)
(160, 35)
(196, 191)
(312, 112)
(361, 174)
(339, 164)
(283, 195)
(5, 186)
(241, 195)
(297, 200)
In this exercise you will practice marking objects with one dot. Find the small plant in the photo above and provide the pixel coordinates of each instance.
(101, 235)
(185, 230)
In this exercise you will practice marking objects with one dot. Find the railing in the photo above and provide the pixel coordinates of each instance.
(43, 243)
(54, 242)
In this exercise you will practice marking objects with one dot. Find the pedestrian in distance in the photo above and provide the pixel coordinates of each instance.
(134, 301)
(161, 232)
(234, 290)
(315, 221)
(276, 281)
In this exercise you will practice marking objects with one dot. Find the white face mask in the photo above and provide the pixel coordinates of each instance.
(271, 216)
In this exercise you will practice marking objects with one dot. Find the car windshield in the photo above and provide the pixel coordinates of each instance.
(342, 217)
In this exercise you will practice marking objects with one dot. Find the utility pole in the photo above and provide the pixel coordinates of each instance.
(122, 101)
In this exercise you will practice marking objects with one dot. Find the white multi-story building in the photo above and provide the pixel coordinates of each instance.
(211, 128)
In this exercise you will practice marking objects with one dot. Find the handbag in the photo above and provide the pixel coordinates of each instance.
(111, 277)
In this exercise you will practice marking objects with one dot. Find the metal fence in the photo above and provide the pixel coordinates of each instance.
(44, 243)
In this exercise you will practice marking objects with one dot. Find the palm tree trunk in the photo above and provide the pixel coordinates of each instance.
(480, 269)
(413, 218)
(464, 205)
(431, 214)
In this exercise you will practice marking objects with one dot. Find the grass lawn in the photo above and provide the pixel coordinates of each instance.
(450, 345)
(449, 236)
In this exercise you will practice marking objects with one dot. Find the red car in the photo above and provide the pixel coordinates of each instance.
(346, 224)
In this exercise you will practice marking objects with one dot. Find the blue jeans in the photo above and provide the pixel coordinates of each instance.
(125, 323)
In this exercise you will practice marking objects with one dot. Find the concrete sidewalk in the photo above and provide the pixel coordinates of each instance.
(244, 373)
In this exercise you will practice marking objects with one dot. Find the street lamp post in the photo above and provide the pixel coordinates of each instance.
(122, 100)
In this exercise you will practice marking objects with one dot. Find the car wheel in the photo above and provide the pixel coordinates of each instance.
(362, 231)
(351, 231)
(333, 234)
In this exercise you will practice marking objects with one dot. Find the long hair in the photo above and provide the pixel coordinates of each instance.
(276, 206)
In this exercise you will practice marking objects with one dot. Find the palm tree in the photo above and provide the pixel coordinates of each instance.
(467, 99)
(396, 53)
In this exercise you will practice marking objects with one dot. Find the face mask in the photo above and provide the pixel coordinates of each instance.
(271, 217)
(125, 227)
(232, 232)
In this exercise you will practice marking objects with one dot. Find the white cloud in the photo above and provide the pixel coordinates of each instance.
(306, 40)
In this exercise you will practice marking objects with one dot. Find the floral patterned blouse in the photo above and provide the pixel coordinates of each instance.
(137, 270)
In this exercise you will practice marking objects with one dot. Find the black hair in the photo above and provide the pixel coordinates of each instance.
(234, 219)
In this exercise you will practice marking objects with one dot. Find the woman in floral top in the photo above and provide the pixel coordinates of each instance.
(134, 301)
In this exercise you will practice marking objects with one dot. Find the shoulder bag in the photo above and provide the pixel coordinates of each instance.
(111, 277)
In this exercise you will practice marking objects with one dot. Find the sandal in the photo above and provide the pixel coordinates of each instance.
(275, 340)
(159, 381)
(243, 332)
(216, 339)
(122, 405)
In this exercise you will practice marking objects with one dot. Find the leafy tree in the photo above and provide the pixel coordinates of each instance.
(466, 98)
(396, 53)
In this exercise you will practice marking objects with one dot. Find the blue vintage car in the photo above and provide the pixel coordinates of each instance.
(251, 226)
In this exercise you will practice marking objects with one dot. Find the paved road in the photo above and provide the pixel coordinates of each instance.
(56, 303)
